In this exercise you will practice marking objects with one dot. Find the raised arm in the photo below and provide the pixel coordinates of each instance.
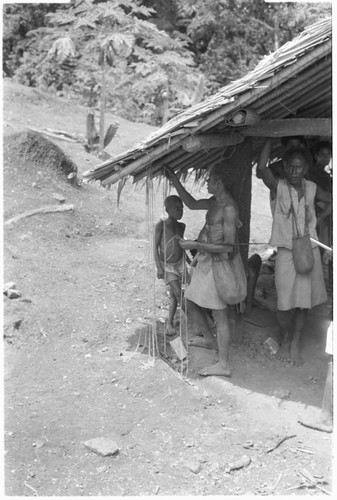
(265, 173)
(187, 199)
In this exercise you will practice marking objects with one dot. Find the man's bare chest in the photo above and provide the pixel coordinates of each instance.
(216, 214)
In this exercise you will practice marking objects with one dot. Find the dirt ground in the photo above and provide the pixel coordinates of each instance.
(76, 360)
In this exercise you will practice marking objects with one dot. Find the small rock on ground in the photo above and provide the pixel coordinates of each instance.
(102, 446)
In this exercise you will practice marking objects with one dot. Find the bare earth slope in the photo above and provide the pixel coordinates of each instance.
(72, 372)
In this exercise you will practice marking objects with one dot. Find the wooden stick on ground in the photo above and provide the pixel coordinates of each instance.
(272, 448)
(42, 210)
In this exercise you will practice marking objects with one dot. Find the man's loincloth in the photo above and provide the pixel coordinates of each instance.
(175, 271)
(202, 290)
(298, 290)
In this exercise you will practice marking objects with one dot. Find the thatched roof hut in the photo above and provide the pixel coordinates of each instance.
(288, 93)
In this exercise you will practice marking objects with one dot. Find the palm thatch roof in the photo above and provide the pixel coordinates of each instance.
(294, 83)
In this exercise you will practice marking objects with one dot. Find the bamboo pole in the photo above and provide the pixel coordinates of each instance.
(201, 162)
(313, 95)
(187, 160)
(291, 99)
(290, 106)
(171, 160)
(295, 86)
(325, 109)
(196, 161)
(136, 165)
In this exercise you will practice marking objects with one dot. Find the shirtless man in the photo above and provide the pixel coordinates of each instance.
(218, 237)
(169, 255)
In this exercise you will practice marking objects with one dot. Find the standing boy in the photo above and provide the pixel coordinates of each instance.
(169, 256)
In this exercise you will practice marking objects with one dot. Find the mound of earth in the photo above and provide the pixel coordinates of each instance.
(34, 147)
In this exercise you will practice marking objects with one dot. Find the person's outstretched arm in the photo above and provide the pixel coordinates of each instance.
(186, 197)
(229, 229)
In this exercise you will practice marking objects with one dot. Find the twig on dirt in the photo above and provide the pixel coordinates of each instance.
(31, 488)
(308, 482)
(277, 482)
(42, 210)
(279, 442)
(309, 485)
(304, 451)
(309, 477)
(25, 342)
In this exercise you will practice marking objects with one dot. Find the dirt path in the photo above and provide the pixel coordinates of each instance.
(72, 372)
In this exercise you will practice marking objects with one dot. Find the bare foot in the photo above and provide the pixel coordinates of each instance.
(202, 342)
(170, 330)
(295, 357)
(283, 354)
(317, 424)
(218, 369)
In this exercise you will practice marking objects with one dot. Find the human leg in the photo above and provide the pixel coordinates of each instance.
(285, 322)
(299, 320)
(169, 328)
(202, 335)
(254, 266)
(221, 368)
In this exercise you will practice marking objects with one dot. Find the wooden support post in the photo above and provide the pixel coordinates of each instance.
(241, 171)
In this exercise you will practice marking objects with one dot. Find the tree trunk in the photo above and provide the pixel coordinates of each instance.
(102, 111)
(92, 134)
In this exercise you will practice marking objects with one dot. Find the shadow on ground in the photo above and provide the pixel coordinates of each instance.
(254, 367)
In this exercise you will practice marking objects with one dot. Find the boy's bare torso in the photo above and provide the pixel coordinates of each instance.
(169, 249)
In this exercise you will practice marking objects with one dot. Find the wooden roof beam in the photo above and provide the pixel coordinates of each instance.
(202, 142)
(289, 127)
(265, 128)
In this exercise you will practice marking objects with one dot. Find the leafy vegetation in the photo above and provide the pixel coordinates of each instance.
(145, 59)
